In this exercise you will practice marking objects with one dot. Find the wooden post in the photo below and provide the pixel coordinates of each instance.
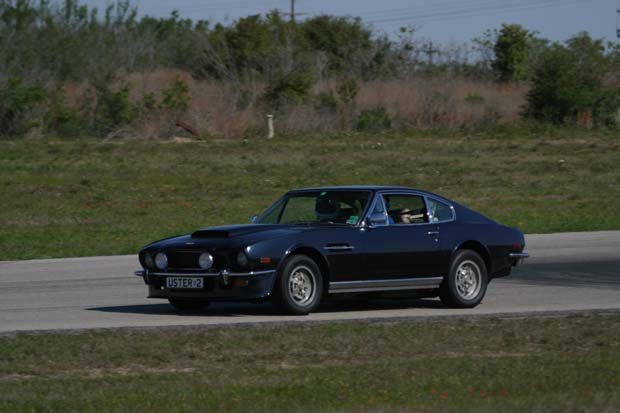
(270, 130)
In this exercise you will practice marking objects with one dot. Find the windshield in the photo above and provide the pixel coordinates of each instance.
(317, 207)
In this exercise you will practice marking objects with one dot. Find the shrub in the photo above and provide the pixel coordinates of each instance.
(326, 101)
(347, 91)
(17, 101)
(149, 102)
(65, 122)
(474, 98)
(62, 120)
(113, 110)
(293, 87)
(244, 99)
(374, 119)
(176, 97)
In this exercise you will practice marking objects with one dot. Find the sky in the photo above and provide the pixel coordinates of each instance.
(442, 21)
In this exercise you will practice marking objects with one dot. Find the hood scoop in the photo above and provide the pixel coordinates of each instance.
(231, 231)
(210, 233)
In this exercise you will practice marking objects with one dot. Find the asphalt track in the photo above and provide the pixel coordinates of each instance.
(567, 272)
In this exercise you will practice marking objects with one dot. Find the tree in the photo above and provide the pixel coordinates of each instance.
(511, 52)
(572, 78)
(345, 41)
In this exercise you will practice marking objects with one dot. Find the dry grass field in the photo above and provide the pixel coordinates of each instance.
(215, 110)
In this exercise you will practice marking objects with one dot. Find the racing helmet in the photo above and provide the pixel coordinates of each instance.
(326, 208)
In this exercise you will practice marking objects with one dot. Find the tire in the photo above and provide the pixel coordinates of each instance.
(299, 286)
(188, 306)
(466, 284)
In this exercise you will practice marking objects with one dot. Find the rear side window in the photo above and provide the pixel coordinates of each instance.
(405, 209)
(440, 211)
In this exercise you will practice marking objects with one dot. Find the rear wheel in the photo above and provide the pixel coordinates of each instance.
(466, 284)
(299, 286)
(187, 306)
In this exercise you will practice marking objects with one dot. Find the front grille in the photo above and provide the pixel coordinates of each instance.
(188, 260)
(181, 260)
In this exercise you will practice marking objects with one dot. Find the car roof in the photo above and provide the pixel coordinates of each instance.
(358, 188)
(372, 188)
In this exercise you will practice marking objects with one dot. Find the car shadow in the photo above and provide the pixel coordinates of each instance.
(236, 309)
(590, 274)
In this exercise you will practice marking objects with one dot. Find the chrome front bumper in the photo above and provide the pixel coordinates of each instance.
(217, 286)
(225, 273)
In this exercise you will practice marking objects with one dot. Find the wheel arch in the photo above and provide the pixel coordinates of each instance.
(480, 249)
(315, 255)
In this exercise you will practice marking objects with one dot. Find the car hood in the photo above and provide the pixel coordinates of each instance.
(229, 235)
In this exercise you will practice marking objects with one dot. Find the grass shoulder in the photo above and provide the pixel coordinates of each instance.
(464, 365)
(91, 197)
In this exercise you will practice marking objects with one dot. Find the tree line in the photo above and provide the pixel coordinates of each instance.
(46, 47)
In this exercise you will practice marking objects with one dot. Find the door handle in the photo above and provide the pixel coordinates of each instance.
(432, 233)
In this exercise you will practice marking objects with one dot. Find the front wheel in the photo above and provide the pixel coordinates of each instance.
(188, 306)
(466, 284)
(299, 286)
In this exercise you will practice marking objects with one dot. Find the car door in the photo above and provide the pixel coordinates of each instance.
(343, 248)
(406, 245)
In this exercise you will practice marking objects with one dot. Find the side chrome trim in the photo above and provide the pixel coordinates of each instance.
(392, 284)
(520, 255)
(339, 247)
(142, 273)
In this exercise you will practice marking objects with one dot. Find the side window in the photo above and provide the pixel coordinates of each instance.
(440, 211)
(406, 209)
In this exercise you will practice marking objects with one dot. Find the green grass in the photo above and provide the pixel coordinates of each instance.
(77, 198)
(457, 365)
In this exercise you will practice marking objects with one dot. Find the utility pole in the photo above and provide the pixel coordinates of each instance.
(618, 23)
(292, 14)
(430, 51)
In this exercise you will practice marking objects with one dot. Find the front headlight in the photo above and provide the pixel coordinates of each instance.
(205, 260)
(148, 261)
(161, 261)
(242, 259)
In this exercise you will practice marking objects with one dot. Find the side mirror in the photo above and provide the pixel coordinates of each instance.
(254, 219)
(377, 219)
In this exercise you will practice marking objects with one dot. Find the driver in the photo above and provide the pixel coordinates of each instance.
(326, 209)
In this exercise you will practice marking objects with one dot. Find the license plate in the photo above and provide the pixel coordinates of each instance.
(184, 282)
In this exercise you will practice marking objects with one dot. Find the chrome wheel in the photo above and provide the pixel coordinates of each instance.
(302, 285)
(299, 285)
(468, 280)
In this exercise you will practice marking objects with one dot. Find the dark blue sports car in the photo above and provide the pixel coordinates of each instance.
(316, 242)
